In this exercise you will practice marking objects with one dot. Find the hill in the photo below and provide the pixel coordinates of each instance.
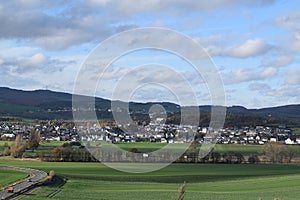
(46, 104)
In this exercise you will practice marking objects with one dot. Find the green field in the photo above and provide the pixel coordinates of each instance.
(245, 150)
(204, 181)
(8, 176)
(149, 147)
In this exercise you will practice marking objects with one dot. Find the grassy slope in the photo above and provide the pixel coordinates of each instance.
(95, 181)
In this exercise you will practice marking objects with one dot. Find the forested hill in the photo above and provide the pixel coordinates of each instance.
(46, 104)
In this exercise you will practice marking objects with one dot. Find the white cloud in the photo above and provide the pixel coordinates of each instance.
(34, 64)
(248, 74)
(286, 93)
(250, 48)
(277, 61)
(261, 87)
(12, 49)
(35, 60)
(172, 7)
(112, 73)
(280, 95)
(292, 77)
(291, 24)
(98, 2)
(268, 72)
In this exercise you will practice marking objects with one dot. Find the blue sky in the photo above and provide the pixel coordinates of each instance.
(255, 45)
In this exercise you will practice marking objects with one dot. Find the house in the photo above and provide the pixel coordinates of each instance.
(261, 142)
(8, 135)
(289, 141)
(163, 140)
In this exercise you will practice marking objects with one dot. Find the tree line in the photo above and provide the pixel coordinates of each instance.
(74, 152)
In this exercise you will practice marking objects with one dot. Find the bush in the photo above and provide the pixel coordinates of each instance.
(253, 159)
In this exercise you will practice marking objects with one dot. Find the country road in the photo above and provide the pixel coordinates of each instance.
(35, 177)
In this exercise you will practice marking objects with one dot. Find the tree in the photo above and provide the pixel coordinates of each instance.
(194, 149)
(227, 157)
(133, 150)
(34, 140)
(253, 159)
(56, 154)
(215, 156)
(233, 157)
(6, 151)
(239, 158)
(18, 147)
(277, 152)
(290, 154)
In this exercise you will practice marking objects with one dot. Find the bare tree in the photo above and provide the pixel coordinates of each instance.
(34, 139)
(18, 147)
(277, 153)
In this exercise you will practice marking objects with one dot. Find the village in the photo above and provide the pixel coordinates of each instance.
(153, 132)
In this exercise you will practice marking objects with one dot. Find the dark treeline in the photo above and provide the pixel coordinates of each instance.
(236, 120)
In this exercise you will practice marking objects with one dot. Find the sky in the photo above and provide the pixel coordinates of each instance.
(253, 45)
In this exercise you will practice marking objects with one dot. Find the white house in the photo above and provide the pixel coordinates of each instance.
(289, 141)
(8, 135)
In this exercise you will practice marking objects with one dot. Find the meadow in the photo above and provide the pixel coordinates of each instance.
(204, 181)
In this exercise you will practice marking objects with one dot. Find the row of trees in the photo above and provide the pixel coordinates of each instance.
(273, 152)
(69, 152)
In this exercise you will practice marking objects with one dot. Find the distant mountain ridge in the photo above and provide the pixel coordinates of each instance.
(46, 104)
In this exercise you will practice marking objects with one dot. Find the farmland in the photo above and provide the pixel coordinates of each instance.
(204, 181)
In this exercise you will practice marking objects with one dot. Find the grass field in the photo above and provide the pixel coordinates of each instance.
(245, 150)
(8, 176)
(204, 181)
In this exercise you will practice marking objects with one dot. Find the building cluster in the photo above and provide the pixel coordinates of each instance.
(257, 135)
(153, 132)
(9, 131)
